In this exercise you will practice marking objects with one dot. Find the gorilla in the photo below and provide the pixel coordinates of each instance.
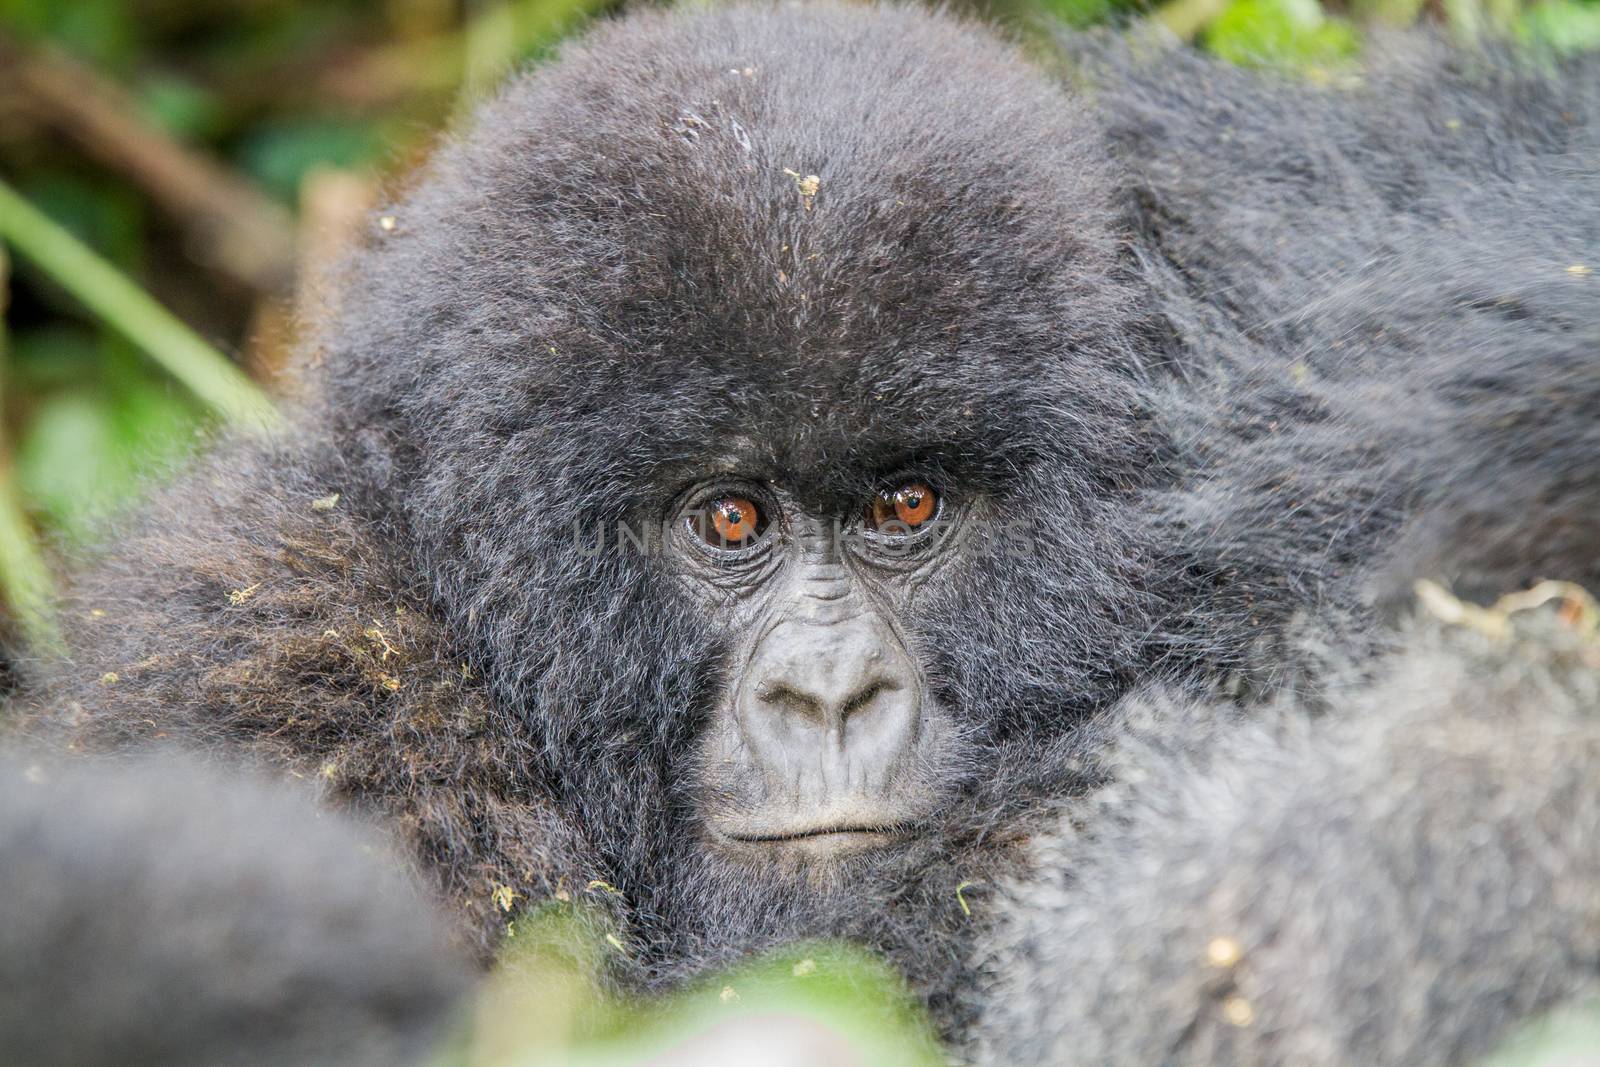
(755, 473)
(161, 911)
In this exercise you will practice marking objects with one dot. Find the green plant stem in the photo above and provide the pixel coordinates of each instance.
(23, 572)
(24, 576)
(108, 293)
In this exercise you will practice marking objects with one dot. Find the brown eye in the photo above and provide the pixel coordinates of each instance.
(733, 521)
(910, 506)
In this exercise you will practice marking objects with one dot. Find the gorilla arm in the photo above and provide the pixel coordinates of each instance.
(1397, 882)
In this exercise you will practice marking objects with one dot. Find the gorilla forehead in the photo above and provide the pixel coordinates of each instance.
(708, 184)
(715, 223)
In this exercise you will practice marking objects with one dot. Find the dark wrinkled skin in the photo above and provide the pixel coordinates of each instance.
(1205, 376)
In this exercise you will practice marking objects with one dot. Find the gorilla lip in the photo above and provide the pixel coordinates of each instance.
(778, 837)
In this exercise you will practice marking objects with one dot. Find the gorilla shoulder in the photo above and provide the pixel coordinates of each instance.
(255, 607)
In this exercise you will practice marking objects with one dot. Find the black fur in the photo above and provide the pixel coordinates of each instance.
(155, 911)
(1395, 883)
(1202, 332)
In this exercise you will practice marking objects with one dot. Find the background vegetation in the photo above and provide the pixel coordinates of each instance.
(172, 176)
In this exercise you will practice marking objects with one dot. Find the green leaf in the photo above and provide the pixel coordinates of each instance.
(103, 214)
(1565, 25)
(1281, 33)
(87, 452)
(24, 574)
(101, 421)
(1564, 1038)
(278, 155)
(67, 459)
(1080, 13)
(101, 31)
(546, 1002)
(179, 106)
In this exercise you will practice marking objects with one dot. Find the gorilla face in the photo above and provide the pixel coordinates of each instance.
(807, 608)
(784, 515)
(826, 726)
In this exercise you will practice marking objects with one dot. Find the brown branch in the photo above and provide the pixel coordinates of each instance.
(230, 225)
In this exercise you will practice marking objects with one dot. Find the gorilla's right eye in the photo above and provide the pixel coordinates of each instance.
(727, 521)
(904, 510)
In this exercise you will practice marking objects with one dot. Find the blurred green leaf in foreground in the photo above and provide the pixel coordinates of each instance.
(807, 1005)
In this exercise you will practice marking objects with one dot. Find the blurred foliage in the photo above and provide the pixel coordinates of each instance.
(822, 1002)
(130, 127)
(1293, 32)
(546, 1005)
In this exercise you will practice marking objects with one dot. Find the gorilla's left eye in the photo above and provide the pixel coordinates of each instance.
(727, 521)
(904, 509)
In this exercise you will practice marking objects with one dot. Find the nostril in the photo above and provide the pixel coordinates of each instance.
(821, 707)
(789, 699)
(867, 695)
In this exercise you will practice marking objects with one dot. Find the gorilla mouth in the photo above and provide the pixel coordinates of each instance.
(821, 842)
(816, 832)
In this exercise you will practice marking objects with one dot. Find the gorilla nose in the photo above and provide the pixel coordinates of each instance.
(827, 726)
(849, 677)
(831, 699)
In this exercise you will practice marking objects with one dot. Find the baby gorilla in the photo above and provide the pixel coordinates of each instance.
(718, 486)
(155, 911)
(746, 469)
